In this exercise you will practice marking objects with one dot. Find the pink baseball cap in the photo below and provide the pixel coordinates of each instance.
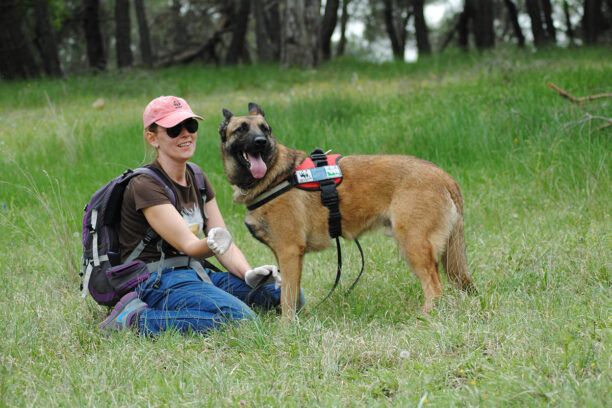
(167, 111)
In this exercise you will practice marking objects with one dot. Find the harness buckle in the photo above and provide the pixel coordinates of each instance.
(318, 157)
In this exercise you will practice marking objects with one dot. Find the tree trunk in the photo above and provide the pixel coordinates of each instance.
(178, 31)
(569, 30)
(550, 27)
(93, 35)
(420, 26)
(513, 16)
(397, 46)
(123, 42)
(343, 23)
(237, 51)
(590, 21)
(143, 32)
(463, 26)
(300, 33)
(535, 14)
(16, 59)
(328, 25)
(45, 39)
(267, 30)
(484, 34)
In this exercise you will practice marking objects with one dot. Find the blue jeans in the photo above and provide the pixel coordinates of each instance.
(184, 302)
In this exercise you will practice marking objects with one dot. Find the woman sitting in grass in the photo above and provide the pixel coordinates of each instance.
(185, 296)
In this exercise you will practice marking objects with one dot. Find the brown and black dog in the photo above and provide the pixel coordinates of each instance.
(418, 202)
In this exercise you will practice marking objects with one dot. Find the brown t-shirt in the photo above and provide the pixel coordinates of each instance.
(144, 191)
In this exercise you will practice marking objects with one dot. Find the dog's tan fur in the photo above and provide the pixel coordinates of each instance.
(420, 204)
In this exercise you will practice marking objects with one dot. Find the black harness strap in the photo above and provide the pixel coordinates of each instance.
(270, 195)
(330, 199)
(319, 158)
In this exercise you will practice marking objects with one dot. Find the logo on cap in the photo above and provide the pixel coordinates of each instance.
(177, 104)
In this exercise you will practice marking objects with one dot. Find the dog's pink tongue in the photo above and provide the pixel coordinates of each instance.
(258, 167)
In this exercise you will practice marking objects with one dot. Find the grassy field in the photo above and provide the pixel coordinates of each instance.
(535, 175)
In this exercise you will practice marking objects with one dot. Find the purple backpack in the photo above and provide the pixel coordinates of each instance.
(104, 276)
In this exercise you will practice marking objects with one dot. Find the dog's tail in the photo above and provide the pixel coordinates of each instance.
(454, 258)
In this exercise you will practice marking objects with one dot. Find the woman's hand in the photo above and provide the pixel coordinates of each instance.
(219, 240)
(266, 273)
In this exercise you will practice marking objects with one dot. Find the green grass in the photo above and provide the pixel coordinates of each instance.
(536, 182)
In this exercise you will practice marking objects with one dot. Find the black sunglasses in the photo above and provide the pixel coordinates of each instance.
(190, 124)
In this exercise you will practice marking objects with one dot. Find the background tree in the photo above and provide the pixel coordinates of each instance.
(300, 33)
(146, 54)
(16, 58)
(238, 51)
(569, 30)
(343, 24)
(463, 25)
(45, 39)
(93, 35)
(551, 32)
(71, 36)
(267, 30)
(178, 31)
(477, 19)
(395, 16)
(328, 25)
(513, 18)
(484, 35)
(420, 28)
(540, 36)
(123, 42)
(591, 21)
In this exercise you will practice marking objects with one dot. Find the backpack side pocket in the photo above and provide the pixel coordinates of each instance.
(125, 277)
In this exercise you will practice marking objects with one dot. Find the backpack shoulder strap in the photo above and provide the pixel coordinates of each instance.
(161, 179)
(200, 182)
(151, 235)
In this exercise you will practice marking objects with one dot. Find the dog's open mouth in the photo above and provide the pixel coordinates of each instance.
(255, 164)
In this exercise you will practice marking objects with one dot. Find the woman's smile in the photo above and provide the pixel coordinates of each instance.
(185, 144)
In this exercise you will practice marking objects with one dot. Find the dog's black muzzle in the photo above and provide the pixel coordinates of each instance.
(252, 143)
(256, 143)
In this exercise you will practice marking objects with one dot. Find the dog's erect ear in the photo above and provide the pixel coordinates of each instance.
(254, 109)
(223, 125)
(227, 114)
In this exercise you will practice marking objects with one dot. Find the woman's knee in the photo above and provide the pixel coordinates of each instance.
(237, 311)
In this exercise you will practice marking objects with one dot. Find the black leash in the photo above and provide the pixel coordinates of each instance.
(256, 288)
(361, 271)
(339, 271)
(337, 281)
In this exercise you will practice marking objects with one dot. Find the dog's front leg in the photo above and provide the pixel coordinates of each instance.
(290, 261)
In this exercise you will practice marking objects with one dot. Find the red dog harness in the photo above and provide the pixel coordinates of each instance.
(309, 175)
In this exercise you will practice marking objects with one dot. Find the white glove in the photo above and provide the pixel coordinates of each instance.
(268, 273)
(218, 240)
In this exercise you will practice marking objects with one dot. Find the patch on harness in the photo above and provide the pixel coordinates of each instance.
(318, 174)
(308, 177)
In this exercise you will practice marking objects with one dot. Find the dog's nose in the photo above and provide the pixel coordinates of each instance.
(260, 141)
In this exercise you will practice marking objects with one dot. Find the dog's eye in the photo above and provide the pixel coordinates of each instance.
(243, 127)
(265, 129)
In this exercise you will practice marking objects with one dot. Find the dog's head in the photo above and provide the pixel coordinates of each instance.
(247, 146)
